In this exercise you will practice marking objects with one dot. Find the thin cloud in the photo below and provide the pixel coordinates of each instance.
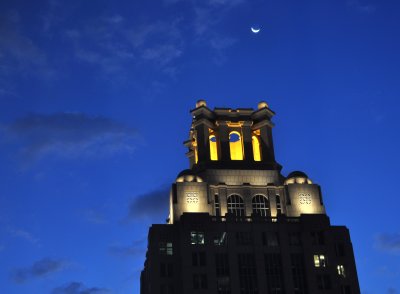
(119, 45)
(150, 205)
(136, 248)
(208, 15)
(23, 234)
(95, 217)
(79, 288)
(51, 16)
(39, 269)
(19, 53)
(389, 242)
(68, 135)
(361, 6)
(15, 47)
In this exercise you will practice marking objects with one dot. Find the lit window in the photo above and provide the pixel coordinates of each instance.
(260, 205)
(236, 205)
(194, 144)
(166, 248)
(236, 146)
(256, 148)
(320, 260)
(220, 240)
(213, 145)
(197, 238)
(341, 271)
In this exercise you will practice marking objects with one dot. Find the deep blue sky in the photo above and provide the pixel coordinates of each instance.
(94, 107)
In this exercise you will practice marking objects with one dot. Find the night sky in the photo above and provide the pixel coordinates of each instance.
(94, 107)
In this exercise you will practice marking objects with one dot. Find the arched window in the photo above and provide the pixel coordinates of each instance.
(236, 145)
(236, 205)
(260, 205)
(256, 148)
(213, 146)
(196, 154)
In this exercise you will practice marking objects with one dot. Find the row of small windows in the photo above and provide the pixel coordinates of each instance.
(270, 239)
(236, 146)
(248, 275)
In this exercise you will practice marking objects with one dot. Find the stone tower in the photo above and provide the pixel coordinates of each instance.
(237, 225)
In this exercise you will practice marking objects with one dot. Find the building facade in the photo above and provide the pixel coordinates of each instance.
(238, 226)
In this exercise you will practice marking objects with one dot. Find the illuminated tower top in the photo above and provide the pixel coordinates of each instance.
(231, 138)
(233, 170)
(238, 225)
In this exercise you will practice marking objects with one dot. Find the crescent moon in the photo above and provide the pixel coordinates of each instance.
(255, 30)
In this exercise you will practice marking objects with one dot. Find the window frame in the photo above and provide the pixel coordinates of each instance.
(235, 205)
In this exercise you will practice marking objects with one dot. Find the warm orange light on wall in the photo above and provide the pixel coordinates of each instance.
(213, 147)
(256, 148)
(194, 144)
(236, 145)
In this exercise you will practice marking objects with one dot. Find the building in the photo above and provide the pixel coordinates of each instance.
(237, 225)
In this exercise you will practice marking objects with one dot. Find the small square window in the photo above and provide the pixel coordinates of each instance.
(318, 238)
(165, 248)
(166, 270)
(199, 258)
(341, 271)
(196, 238)
(270, 239)
(294, 239)
(220, 239)
(200, 281)
(244, 238)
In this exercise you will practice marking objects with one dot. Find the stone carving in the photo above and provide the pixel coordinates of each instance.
(305, 198)
(192, 197)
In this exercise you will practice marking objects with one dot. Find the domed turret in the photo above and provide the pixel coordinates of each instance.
(297, 177)
(262, 104)
(188, 175)
(200, 103)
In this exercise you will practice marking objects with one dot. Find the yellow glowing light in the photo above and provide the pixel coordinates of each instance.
(194, 144)
(213, 147)
(232, 124)
(341, 271)
(319, 260)
(236, 146)
(256, 148)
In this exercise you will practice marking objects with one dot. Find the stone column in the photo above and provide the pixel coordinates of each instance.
(224, 141)
(247, 141)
